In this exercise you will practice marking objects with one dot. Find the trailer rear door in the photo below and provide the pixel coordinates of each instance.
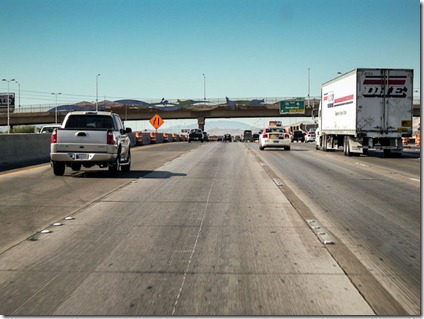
(385, 103)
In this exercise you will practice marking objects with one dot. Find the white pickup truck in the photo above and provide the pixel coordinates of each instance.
(90, 138)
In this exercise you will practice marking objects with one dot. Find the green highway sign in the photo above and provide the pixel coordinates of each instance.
(292, 107)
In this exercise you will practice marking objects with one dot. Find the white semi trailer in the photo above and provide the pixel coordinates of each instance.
(366, 109)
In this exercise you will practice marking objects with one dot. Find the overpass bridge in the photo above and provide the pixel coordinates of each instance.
(131, 111)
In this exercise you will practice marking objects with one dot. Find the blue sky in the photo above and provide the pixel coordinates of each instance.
(149, 49)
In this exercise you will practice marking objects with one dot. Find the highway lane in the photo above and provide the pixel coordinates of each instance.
(32, 197)
(371, 204)
(207, 233)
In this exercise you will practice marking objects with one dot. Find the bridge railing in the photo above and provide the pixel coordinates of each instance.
(33, 108)
(36, 108)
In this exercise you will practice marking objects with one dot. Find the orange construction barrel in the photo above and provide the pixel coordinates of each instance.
(405, 140)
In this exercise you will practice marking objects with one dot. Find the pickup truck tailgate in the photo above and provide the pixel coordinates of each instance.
(78, 140)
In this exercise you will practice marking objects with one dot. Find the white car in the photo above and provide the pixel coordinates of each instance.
(49, 128)
(274, 136)
(310, 136)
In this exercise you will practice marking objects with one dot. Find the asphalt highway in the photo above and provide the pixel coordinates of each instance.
(372, 205)
(211, 229)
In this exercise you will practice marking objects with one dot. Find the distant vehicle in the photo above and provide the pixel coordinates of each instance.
(48, 128)
(366, 109)
(195, 135)
(274, 123)
(255, 137)
(310, 136)
(227, 138)
(247, 136)
(298, 136)
(205, 136)
(237, 138)
(88, 139)
(274, 136)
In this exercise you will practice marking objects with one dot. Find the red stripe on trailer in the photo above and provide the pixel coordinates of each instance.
(344, 99)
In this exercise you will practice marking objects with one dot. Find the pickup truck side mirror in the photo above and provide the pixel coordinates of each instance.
(128, 130)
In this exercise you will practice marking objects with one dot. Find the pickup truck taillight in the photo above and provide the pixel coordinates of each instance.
(54, 136)
(110, 138)
(265, 135)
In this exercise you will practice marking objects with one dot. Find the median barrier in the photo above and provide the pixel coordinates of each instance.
(132, 139)
(159, 137)
(146, 138)
(23, 148)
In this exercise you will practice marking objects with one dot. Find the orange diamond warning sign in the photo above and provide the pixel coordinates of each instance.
(156, 121)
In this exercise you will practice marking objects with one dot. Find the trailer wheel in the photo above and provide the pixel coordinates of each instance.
(346, 148)
(324, 143)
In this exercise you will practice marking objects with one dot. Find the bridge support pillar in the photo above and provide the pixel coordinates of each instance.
(201, 123)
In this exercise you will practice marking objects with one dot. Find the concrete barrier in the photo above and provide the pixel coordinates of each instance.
(145, 138)
(19, 149)
(22, 148)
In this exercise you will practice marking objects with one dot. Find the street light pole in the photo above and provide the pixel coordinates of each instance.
(204, 86)
(309, 85)
(8, 99)
(55, 116)
(19, 92)
(97, 92)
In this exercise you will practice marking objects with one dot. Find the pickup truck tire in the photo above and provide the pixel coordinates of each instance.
(76, 167)
(115, 167)
(58, 168)
(127, 166)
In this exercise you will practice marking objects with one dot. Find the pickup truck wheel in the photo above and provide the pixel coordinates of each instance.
(76, 167)
(59, 169)
(113, 169)
(127, 166)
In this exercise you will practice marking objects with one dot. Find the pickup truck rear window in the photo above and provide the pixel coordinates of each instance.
(89, 122)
